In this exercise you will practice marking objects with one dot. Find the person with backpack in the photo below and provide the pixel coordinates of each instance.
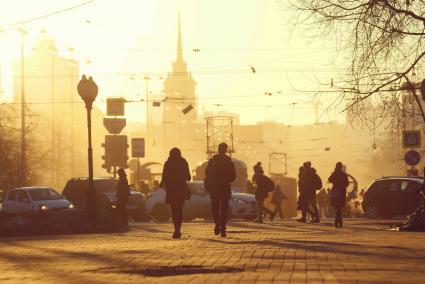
(301, 203)
(219, 174)
(264, 185)
(311, 182)
(338, 193)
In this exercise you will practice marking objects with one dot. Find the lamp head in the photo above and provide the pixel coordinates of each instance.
(87, 89)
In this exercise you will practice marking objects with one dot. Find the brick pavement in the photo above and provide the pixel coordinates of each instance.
(363, 251)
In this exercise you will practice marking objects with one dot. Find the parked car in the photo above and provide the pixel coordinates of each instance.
(241, 205)
(76, 188)
(392, 196)
(34, 199)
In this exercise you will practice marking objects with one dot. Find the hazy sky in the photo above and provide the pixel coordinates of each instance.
(132, 38)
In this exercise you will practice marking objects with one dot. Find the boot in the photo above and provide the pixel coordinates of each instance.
(177, 234)
(223, 232)
(315, 220)
(217, 229)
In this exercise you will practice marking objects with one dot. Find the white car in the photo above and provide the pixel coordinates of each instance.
(241, 205)
(34, 199)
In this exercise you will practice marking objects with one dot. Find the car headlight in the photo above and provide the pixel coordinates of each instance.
(71, 206)
(44, 208)
(239, 201)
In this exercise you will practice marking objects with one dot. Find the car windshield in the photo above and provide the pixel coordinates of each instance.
(105, 185)
(38, 194)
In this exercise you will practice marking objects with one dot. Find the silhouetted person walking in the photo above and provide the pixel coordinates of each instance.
(219, 174)
(277, 199)
(311, 182)
(123, 194)
(174, 177)
(264, 186)
(258, 170)
(302, 197)
(339, 180)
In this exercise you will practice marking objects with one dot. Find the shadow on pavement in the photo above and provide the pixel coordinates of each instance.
(162, 271)
(332, 247)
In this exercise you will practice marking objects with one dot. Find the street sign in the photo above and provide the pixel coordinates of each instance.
(138, 147)
(187, 109)
(115, 106)
(412, 158)
(114, 125)
(411, 138)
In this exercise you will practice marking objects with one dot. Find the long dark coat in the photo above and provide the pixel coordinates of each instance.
(221, 173)
(307, 180)
(261, 193)
(174, 177)
(338, 194)
(123, 190)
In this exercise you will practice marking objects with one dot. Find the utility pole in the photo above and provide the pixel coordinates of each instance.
(316, 104)
(23, 108)
(54, 145)
(148, 140)
(72, 151)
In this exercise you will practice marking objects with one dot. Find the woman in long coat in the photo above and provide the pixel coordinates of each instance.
(174, 177)
(338, 193)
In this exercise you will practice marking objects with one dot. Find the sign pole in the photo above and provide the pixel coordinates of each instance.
(138, 174)
(138, 151)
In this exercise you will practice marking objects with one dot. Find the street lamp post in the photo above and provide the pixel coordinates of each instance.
(87, 89)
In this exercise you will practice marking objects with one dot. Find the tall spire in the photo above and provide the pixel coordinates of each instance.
(179, 43)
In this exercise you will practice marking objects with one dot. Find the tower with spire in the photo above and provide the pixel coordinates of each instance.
(179, 90)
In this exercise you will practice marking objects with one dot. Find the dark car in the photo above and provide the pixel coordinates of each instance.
(75, 191)
(389, 197)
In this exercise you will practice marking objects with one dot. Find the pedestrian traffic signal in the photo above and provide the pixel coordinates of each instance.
(115, 152)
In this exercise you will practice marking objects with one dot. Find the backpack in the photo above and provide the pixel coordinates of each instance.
(209, 180)
(317, 182)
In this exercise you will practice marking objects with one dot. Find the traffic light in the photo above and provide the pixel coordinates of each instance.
(115, 152)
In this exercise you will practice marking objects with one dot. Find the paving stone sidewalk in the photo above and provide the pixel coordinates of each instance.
(364, 251)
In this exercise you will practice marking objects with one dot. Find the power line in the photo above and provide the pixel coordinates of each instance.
(48, 15)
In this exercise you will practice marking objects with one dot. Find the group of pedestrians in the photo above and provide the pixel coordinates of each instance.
(309, 182)
(220, 173)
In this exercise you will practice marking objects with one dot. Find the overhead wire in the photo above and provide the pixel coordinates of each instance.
(48, 15)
